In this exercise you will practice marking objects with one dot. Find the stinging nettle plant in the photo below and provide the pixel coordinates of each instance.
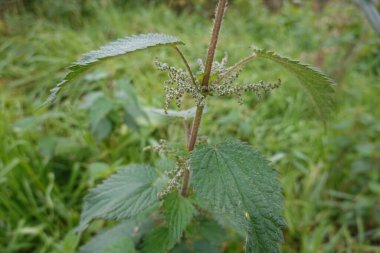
(229, 181)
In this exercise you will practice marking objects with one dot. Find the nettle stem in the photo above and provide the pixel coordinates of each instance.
(219, 15)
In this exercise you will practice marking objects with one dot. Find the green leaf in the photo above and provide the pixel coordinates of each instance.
(123, 195)
(210, 230)
(185, 114)
(130, 120)
(102, 129)
(318, 86)
(114, 240)
(120, 246)
(158, 241)
(235, 180)
(182, 248)
(178, 213)
(89, 99)
(99, 110)
(165, 164)
(113, 49)
(203, 246)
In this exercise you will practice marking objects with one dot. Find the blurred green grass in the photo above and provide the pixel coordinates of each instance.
(49, 158)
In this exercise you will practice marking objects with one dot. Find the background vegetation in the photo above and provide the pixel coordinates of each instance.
(50, 157)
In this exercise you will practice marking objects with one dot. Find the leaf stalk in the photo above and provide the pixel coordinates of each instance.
(236, 66)
(186, 64)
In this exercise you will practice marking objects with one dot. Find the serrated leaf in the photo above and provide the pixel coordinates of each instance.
(235, 180)
(178, 213)
(158, 241)
(113, 49)
(123, 195)
(318, 86)
(114, 240)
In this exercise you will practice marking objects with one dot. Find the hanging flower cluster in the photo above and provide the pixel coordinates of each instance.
(175, 176)
(180, 83)
(260, 89)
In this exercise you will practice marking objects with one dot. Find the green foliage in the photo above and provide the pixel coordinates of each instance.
(317, 85)
(203, 246)
(234, 179)
(178, 212)
(100, 126)
(124, 195)
(47, 159)
(114, 240)
(124, 245)
(113, 49)
(244, 186)
(158, 240)
(104, 110)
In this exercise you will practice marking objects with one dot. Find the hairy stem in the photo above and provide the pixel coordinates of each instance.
(219, 15)
(190, 147)
(187, 65)
(187, 127)
(236, 66)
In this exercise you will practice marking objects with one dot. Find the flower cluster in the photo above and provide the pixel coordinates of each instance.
(221, 83)
(218, 68)
(163, 148)
(260, 89)
(184, 85)
(176, 178)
